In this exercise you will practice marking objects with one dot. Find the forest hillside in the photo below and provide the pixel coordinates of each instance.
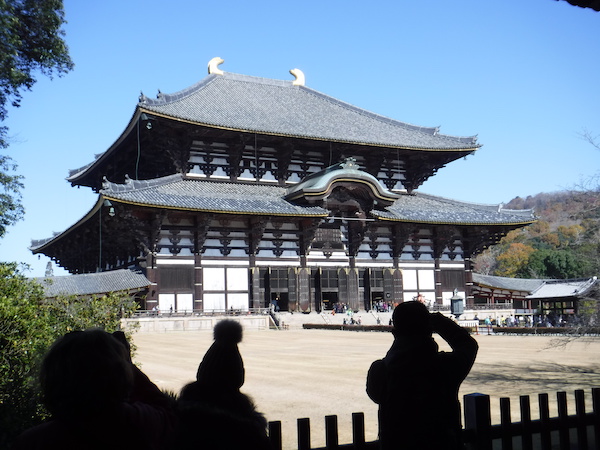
(563, 243)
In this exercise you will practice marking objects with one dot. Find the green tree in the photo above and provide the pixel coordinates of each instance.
(29, 323)
(31, 42)
(11, 210)
(25, 333)
(554, 264)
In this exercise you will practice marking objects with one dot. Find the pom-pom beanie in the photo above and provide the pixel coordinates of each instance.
(222, 367)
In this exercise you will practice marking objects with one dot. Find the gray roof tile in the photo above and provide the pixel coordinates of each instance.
(511, 284)
(93, 283)
(276, 107)
(178, 192)
(538, 288)
(423, 208)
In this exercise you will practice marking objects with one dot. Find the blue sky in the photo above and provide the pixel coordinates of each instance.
(522, 75)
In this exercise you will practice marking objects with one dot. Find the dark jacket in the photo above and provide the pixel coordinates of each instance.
(146, 421)
(218, 419)
(416, 387)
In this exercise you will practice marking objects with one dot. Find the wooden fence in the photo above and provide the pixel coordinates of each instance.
(580, 430)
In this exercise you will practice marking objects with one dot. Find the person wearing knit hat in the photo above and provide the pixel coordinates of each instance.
(416, 386)
(222, 367)
(213, 413)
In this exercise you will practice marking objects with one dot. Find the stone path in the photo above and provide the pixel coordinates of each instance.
(314, 373)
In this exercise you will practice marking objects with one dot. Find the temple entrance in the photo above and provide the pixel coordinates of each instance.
(280, 301)
(377, 301)
(329, 300)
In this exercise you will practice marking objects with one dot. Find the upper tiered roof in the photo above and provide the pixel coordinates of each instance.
(283, 108)
(274, 109)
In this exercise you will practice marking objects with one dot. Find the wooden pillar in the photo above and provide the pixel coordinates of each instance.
(469, 299)
(437, 278)
(255, 286)
(198, 288)
(304, 289)
(152, 275)
(353, 290)
(292, 289)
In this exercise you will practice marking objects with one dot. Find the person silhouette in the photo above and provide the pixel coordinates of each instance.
(97, 398)
(416, 386)
(213, 414)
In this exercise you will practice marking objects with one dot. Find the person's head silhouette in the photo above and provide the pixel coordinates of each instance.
(85, 373)
(410, 319)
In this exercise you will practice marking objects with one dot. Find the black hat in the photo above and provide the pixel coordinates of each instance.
(222, 366)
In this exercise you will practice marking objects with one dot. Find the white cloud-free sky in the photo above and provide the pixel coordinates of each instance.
(522, 75)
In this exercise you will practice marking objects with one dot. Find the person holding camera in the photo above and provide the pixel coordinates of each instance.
(416, 386)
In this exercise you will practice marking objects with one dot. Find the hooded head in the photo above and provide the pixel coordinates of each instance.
(222, 366)
(85, 373)
(411, 319)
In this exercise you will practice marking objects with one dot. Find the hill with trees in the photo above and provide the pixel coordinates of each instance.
(563, 243)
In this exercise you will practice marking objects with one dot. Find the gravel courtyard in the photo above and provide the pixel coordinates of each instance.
(313, 373)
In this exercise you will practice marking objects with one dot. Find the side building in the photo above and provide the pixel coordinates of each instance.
(124, 281)
(242, 192)
(546, 302)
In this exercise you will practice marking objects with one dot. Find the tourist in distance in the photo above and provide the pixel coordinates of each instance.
(98, 399)
(416, 386)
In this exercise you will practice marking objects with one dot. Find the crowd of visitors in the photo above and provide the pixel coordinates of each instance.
(546, 320)
(99, 399)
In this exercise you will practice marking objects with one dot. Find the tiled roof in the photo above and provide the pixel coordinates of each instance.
(563, 288)
(177, 192)
(277, 107)
(423, 208)
(510, 284)
(93, 283)
(538, 288)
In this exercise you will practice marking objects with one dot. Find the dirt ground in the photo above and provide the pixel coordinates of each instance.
(313, 373)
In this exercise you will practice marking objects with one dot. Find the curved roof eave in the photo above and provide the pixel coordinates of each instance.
(458, 223)
(45, 242)
(214, 211)
(312, 138)
(133, 122)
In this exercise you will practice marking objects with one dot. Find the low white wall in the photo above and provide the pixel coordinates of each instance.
(193, 323)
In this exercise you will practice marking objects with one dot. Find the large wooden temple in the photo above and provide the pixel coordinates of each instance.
(240, 191)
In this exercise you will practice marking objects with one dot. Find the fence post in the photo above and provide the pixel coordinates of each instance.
(358, 430)
(526, 433)
(275, 435)
(596, 409)
(506, 424)
(545, 435)
(331, 432)
(478, 421)
(582, 440)
(304, 434)
(563, 427)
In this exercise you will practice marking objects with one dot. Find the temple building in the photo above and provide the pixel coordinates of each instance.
(547, 299)
(241, 192)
